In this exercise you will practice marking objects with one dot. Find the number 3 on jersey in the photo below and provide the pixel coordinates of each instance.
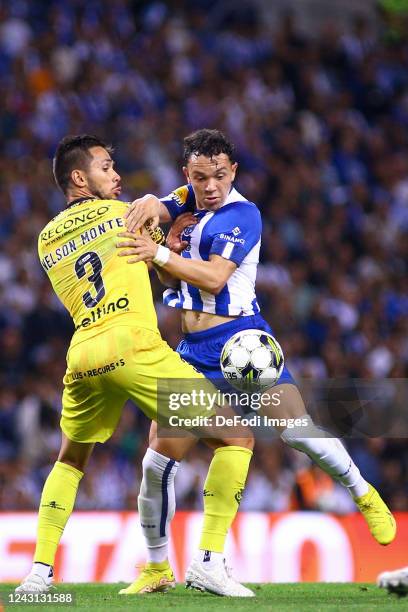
(95, 278)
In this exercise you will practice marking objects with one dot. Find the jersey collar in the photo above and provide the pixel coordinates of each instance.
(80, 200)
(234, 196)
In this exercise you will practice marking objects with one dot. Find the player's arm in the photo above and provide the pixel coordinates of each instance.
(142, 209)
(157, 235)
(179, 201)
(166, 278)
(209, 275)
(177, 245)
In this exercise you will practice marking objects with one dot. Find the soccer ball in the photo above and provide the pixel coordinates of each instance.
(252, 360)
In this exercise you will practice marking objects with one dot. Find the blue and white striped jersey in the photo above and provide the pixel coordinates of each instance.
(234, 232)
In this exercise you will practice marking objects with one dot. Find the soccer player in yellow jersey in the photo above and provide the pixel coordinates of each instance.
(116, 353)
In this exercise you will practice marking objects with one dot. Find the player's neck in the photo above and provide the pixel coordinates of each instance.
(79, 194)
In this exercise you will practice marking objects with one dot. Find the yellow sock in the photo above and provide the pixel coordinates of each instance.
(222, 494)
(57, 502)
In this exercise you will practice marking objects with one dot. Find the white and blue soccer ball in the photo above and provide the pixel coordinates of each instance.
(252, 360)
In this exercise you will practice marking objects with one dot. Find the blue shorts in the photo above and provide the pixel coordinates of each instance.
(203, 349)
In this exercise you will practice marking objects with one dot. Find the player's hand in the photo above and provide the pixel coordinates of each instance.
(141, 210)
(152, 229)
(173, 240)
(138, 248)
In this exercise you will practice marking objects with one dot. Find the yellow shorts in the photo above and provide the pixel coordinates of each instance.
(106, 370)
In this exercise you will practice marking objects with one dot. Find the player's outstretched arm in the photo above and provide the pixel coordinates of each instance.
(209, 276)
(173, 242)
(145, 208)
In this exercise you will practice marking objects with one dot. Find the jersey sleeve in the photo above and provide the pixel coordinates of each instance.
(180, 201)
(236, 231)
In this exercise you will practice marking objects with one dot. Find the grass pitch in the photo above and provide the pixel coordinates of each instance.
(302, 597)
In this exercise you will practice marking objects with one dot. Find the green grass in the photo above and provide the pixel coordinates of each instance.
(300, 597)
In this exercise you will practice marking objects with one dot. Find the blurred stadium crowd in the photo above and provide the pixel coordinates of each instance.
(320, 125)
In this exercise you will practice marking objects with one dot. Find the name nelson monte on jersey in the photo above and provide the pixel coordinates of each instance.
(53, 257)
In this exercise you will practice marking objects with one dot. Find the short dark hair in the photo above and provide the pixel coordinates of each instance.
(208, 143)
(73, 152)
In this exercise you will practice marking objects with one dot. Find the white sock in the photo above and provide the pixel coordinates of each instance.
(158, 554)
(43, 570)
(209, 559)
(329, 454)
(157, 503)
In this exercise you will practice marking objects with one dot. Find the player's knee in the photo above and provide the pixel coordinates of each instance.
(300, 436)
(249, 443)
(246, 442)
(75, 459)
(152, 472)
(77, 464)
(75, 454)
(299, 444)
(149, 468)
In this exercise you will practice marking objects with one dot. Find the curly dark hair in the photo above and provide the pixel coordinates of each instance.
(208, 143)
(73, 152)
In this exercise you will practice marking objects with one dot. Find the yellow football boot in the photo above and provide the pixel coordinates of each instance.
(380, 521)
(154, 578)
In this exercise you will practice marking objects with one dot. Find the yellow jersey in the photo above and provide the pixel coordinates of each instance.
(77, 249)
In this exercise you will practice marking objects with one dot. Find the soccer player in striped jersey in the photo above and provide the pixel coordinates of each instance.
(213, 282)
(116, 354)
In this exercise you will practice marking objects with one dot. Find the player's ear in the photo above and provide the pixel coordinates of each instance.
(185, 172)
(234, 168)
(78, 178)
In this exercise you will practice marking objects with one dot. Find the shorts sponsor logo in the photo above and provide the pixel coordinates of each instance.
(108, 367)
